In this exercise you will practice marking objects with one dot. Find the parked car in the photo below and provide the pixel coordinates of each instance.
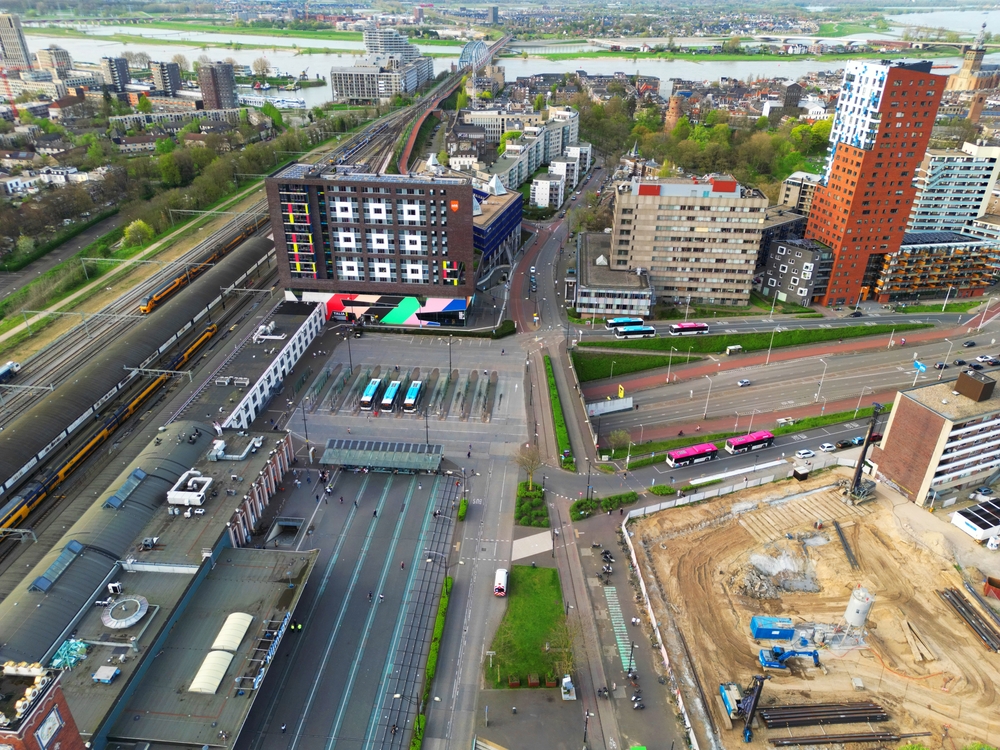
(743, 383)
(984, 490)
(855, 314)
(841, 444)
(877, 437)
(968, 344)
(828, 447)
(858, 440)
(804, 453)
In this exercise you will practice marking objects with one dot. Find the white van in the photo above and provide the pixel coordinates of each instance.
(734, 349)
(500, 583)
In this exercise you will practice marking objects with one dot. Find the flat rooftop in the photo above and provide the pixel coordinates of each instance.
(347, 173)
(494, 205)
(592, 276)
(941, 399)
(939, 238)
(250, 581)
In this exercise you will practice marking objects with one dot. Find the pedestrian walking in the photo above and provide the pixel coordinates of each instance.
(341, 499)
(501, 354)
(283, 728)
(355, 503)
(469, 454)
(621, 511)
(348, 430)
(394, 730)
(317, 499)
(402, 565)
(381, 598)
(369, 597)
(375, 513)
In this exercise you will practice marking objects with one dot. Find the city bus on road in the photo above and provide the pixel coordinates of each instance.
(693, 454)
(754, 441)
(615, 323)
(391, 396)
(635, 332)
(688, 329)
(371, 394)
(413, 394)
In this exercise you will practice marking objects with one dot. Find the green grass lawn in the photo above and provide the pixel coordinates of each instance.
(535, 617)
(952, 307)
(844, 28)
(752, 342)
(595, 366)
(760, 301)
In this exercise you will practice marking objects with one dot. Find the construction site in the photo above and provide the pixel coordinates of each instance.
(852, 617)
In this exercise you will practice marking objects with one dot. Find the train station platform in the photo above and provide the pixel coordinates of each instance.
(383, 456)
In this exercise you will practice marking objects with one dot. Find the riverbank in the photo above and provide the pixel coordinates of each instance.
(693, 57)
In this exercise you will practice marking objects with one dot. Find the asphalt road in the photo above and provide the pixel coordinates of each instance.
(781, 386)
(11, 282)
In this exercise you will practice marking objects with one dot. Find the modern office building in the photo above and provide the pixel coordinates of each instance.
(797, 191)
(14, 55)
(941, 439)
(379, 77)
(954, 187)
(383, 41)
(218, 85)
(55, 59)
(389, 249)
(496, 122)
(493, 15)
(116, 73)
(796, 271)
(780, 223)
(696, 238)
(166, 76)
(598, 290)
(880, 132)
(496, 225)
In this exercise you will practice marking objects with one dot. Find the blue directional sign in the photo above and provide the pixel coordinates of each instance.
(919, 366)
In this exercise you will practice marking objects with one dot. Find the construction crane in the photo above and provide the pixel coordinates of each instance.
(776, 656)
(743, 703)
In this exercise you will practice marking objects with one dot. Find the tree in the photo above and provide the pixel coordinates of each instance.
(138, 233)
(25, 244)
(502, 147)
(732, 45)
(144, 105)
(443, 157)
(618, 439)
(529, 459)
(165, 145)
(539, 103)
(260, 65)
(181, 61)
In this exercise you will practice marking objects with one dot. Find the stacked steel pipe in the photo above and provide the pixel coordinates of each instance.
(986, 633)
(816, 714)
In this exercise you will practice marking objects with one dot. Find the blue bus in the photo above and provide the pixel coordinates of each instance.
(615, 323)
(370, 396)
(635, 332)
(413, 394)
(391, 396)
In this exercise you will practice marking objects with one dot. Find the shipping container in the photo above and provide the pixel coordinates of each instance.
(772, 628)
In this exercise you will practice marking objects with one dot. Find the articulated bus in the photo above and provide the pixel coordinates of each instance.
(693, 454)
(635, 332)
(688, 329)
(413, 394)
(391, 396)
(751, 442)
(370, 397)
(615, 323)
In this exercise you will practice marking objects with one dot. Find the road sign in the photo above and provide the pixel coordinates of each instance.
(919, 366)
(621, 391)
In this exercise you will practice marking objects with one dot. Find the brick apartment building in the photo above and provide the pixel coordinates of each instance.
(880, 133)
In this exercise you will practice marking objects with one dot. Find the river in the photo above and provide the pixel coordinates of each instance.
(91, 50)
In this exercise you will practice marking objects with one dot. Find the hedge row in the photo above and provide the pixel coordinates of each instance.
(530, 508)
(562, 434)
(463, 508)
(432, 658)
(662, 489)
(584, 508)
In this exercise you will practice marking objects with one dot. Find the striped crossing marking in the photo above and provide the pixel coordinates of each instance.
(618, 625)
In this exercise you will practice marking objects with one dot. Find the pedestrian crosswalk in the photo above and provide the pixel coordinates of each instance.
(622, 637)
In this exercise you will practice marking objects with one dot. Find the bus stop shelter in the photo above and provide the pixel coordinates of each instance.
(378, 455)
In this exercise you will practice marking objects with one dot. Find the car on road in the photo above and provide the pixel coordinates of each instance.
(959, 362)
(858, 440)
(983, 358)
(841, 444)
(562, 214)
(804, 453)
(968, 344)
(531, 270)
(993, 362)
(877, 437)
(743, 383)
(975, 366)
(828, 447)
(855, 314)
(941, 366)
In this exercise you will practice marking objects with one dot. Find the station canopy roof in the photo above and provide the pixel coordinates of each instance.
(375, 454)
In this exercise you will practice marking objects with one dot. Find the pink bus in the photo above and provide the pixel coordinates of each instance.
(751, 442)
(693, 454)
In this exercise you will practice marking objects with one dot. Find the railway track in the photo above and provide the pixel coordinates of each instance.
(62, 357)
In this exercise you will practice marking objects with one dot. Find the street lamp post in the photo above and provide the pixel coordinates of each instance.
(768, 360)
(750, 428)
(641, 429)
(631, 653)
(305, 427)
(946, 357)
(821, 379)
(983, 320)
(350, 358)
(612, 375)
(705, 415)
(946, 297)
(450, 337)
(670, 359)
(866, 388)
(773, 303)
(588, 479)
(822, 410)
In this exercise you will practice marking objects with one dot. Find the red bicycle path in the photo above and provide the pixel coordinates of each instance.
(707, 367)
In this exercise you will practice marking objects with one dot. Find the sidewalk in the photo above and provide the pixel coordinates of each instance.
(653, 378)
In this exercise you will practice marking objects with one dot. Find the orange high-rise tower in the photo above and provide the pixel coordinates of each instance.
(881, 128)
